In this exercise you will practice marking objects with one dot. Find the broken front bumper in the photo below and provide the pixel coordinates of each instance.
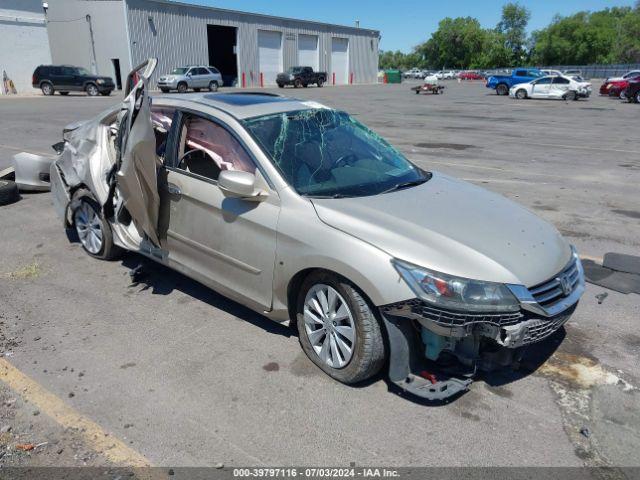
(435, 352)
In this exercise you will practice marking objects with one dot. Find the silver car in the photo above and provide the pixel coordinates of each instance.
(192, 77)
(303, 214)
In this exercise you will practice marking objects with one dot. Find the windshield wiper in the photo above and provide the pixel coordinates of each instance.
(400, 186)
(335, 195)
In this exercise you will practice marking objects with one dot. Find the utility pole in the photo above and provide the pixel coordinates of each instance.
(94, 61)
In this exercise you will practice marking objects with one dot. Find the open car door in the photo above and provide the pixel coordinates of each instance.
(136, 174)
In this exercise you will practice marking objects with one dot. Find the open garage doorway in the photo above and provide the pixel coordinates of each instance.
(222, 44)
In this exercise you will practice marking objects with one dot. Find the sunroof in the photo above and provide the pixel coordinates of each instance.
(241, 99)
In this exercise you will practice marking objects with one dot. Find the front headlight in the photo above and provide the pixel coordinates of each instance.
(456, 292)
(99, 81)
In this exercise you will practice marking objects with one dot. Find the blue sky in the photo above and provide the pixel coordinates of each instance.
(405, 23)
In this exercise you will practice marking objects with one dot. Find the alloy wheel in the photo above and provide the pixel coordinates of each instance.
(92, 90)
(89, 228)
(329, 325)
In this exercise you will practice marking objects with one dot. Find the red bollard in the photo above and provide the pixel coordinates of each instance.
(334, 78)
(351, 79)
(244, 80)
(261, 79)
(385, 79)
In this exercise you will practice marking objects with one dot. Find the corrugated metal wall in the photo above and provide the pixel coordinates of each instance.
(177, 35)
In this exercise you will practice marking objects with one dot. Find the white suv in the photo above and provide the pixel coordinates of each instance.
(196, 77)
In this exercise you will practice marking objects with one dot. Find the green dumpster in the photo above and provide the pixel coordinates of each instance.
(392, 76)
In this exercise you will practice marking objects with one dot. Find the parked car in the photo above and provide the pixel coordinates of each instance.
(196, 77)
(301, 77)
(67, 78)
(503, 83)
(633, 90)
(304, 215)
(630, 74)
(617, 88)
(551, 87)
(470, 76)
(446, 75)
(573, 71)
(413, 73)
(552, 73)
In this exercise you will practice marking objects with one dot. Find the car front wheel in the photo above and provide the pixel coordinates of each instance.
(182, 87)
(213, 86)
(338, 329)
(521, 94)
(93, 230)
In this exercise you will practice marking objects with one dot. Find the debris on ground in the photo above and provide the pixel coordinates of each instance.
(137, 273)
(25, 446)
(601, 296)
(585, 432)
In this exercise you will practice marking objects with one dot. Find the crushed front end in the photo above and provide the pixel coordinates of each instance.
(435, 351)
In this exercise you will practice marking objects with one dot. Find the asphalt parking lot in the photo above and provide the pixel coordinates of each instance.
(182, 376)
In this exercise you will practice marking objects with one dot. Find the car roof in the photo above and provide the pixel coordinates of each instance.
(243, 105)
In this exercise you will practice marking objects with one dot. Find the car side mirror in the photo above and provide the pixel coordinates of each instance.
(238, 184)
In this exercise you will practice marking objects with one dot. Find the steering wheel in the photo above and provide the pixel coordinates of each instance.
(346, 160)
(187, 154)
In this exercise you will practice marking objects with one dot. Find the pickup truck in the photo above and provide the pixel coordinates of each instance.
(301, 77)
(503, 83)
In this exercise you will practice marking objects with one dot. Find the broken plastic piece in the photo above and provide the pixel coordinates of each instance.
(25, 446)
(137, 273)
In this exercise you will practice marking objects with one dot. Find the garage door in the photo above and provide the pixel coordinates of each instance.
(308, 51)
(270, 55)
(340, 59)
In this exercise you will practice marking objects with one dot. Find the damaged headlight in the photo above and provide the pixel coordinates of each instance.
(456, 293)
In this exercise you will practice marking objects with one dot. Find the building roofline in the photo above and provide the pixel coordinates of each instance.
(262, 15)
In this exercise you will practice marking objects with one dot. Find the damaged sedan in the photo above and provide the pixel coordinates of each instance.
(303, 214)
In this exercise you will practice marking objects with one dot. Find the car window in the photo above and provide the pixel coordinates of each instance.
(201, 71)
(327, 153)
(162, 118)
(214, 70)
(561, 81)
(543, 81)
(534, 73)
(206, 148)
(68, 71)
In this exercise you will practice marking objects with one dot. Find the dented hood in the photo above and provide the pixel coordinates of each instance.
(454, 227)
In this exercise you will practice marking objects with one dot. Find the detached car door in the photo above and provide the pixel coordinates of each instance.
(227, 242)
(137, 163)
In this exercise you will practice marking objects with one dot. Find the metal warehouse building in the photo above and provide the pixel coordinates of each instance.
(109, 36)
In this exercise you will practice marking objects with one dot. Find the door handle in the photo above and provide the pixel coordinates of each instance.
(174, 189)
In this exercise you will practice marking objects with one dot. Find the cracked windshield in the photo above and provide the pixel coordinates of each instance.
(327, 153)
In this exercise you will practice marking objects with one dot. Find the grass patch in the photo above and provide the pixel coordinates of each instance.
(32, 270)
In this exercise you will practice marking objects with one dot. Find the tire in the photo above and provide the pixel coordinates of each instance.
(320, 82)
(182, 87)
(502, 89)
(64, 93)
(213, 86)
(637, 97)
(47, 88)
(164, 90)
(87, 221)
(521, 94)
(570, 96)
(623, 95)
(297, 83)
(91, 90)
(8, 192)
(367, 354)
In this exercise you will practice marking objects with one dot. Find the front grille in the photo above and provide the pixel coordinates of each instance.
(447, 318)
(544, 327)
(551, 292)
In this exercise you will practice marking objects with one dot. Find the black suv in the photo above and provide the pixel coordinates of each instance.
(66, 78)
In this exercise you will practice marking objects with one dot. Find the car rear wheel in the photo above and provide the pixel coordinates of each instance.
(570, 96)
(521, 94)
(338, 329)
(502, 89)
(297, 83)
(47, 88)
(213, 86)
(91, 90)
(320, 83)
(93, 230)
(281, 85)
(182, 87)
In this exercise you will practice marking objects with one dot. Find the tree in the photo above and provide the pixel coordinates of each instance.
(456, 44)
(513, 26)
